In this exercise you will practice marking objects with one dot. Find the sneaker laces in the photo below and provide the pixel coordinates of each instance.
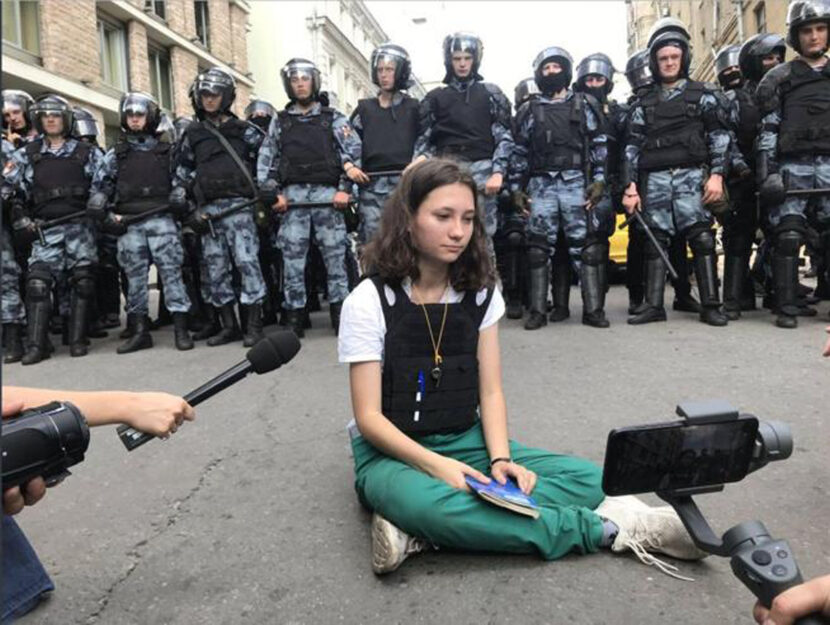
(649, 559)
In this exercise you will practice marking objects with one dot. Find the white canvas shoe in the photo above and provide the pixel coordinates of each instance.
(391, 546)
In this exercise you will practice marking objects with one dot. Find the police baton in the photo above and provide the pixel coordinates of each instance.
(378, 174)
(639, 218)
(59, 221)
(131, 219)
(230, 210)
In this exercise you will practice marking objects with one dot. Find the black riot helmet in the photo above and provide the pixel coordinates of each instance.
(215, 81)
(803, 12)
(637, 70)
(526, 90)
(753, 51)
(670, 38)
(84, 124)
(554, 82)
(139, 103)
(727, 67)
(17, 99)
(666, 25)
(463, 42)
(259, 108)
(51, 103)
(598, 64)
(300, 67)
(397, 55)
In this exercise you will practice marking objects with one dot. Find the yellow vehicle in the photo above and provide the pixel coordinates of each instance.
(618, 244)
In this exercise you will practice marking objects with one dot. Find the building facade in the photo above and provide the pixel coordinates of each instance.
(92, 52)
(713, 24)
(337, 35)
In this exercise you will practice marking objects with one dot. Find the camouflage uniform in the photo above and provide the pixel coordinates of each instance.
(327, 224)
(500, 134)
(155, 240)
(11, 305)
(236, 243)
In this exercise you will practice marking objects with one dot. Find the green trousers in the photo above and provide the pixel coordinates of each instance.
(567, 490)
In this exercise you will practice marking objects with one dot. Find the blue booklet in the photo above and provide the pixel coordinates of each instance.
(509, 496)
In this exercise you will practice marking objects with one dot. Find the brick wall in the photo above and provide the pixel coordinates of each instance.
(181, 17)
(243, 97)
(220, 30)
(139, 63)
(71, 49)
(239, 38)
(185, 66)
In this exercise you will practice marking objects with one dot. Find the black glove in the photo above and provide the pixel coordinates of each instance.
(595, 191)
(197, 223)
(178, 200)
(24, 231)
(268, 192)
(96, 206)
(111, 225)
(521, 201)
(772, 190)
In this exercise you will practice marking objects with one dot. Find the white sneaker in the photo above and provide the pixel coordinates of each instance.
(391, 546)
(644, 529)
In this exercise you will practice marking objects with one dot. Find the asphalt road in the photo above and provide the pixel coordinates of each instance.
(249, 515)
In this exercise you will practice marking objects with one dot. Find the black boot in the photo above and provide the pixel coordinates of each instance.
(785, 278)
(593, 280)
(561, 289)
(230, 328)
(538, 288)
(141, 338)
(253, 329)
(129, 330)
(511, 279)
(180, 333)
(294, 321)
(211, 326)
(334, 313)
(38, 313)
(13, 341)
(707, 284)
(78, 343)
(655, 287)
(734, 271)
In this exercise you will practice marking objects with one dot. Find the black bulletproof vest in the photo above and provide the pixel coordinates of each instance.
(388, 142)
(558, 138)
(805, 114)
(217, 174)
(749, 122)
(675, 132)
(451, 405)
(615, 134)
(60, 186)
(143, 177)
(307, 149)
(462, 123)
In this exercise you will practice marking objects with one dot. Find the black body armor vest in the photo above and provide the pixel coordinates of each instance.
(388, 142)
(675, 132)
(615, 135)
(558, 139)
(143, 177)
(452, 404)
(217, 174)
(749, 123)
(307, 149)
(805, 112)
(462, 123)
(60, 186)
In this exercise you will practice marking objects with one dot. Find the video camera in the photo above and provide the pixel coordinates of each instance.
(43, 441)
(712, 445)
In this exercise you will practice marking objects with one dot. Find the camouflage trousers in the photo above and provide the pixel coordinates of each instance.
(558, 205)
(154, 240)
(673, 201)
(481, 171)
(294, 237)
(67, 246)
(372, 198)
(809, 172)
(11, 305)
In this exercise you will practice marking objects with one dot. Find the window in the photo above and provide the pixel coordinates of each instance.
(202, 22)
(155, 7)
(761, 18)
(113, 46)
(21, 26)
(161, 85)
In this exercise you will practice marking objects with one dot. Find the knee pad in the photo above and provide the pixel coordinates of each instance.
(515, 239)
(594, 253)
(39, 284)
(537, 256)
(701, 240)
(83, 281)
(788, 242)
(663, 239)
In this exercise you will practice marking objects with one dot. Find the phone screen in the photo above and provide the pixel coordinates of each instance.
(668, 456)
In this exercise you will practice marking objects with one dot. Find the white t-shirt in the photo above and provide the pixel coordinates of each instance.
(363, 326)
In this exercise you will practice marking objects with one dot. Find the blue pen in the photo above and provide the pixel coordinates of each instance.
(420, 392)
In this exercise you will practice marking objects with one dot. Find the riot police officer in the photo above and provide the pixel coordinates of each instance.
(17, 127)
(388, 125)
(136, 173)
(677, 145)
(12, 312)
(561, 149)
(52, 175)
(469, 119)
(260, 113)
(216, 157)
(794, 148)
(311, 155)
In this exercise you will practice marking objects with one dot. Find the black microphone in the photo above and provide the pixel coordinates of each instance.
(268, 354)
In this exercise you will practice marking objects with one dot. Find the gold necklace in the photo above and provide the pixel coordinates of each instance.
(437, 359)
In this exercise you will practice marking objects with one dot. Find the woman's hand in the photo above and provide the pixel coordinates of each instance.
(452, 472)
(525, 478)
(159, 414)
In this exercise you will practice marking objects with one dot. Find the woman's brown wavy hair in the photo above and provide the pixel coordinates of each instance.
(391, 252)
